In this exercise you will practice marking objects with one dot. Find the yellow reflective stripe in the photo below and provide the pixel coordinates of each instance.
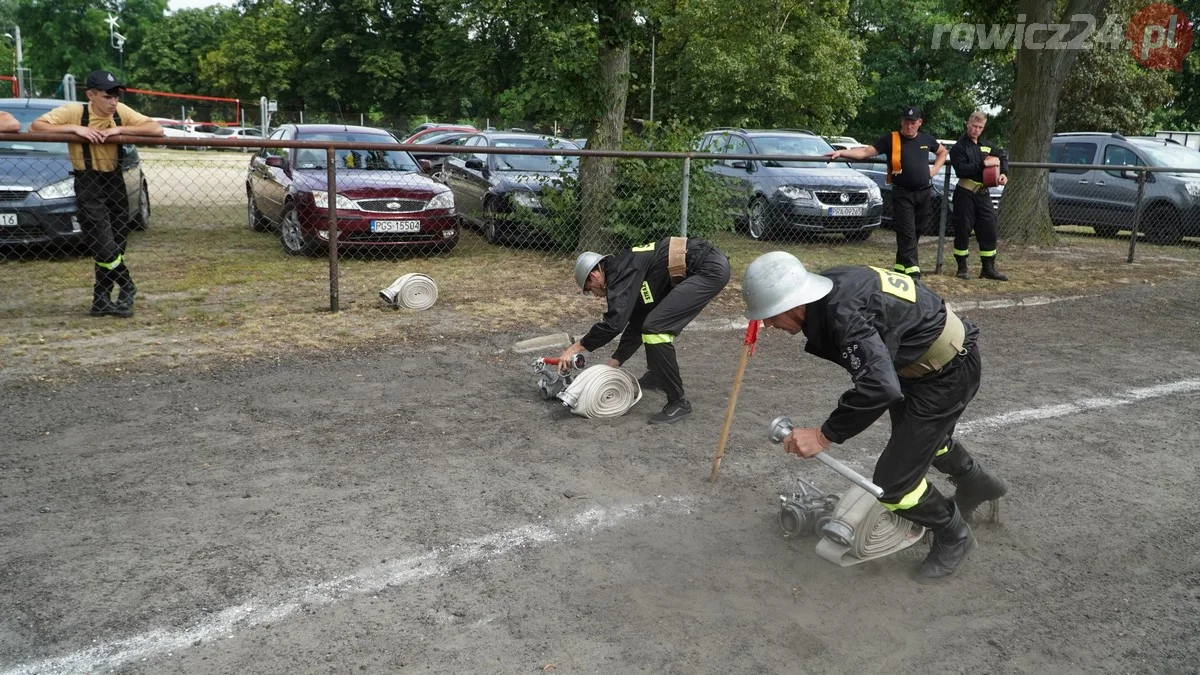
(988, 254)
(909, 500)
(898, 267)
(910, 270)
(962, 252)
(647, 296)
(657, 338)
(111, 265)
(944, 450)
(643, 248)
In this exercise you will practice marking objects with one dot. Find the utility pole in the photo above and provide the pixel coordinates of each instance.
(15, 36)
(117, 41)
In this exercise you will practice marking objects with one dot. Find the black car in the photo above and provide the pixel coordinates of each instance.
(489, 188)
(37, 192)
(440, 138)
(773, 198)
(382, 200)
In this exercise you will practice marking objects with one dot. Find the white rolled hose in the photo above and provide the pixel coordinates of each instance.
(602, 391)
(412, 291)
(876, 531)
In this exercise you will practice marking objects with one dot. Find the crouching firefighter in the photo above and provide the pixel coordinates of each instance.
(653, 291)
(907, 354)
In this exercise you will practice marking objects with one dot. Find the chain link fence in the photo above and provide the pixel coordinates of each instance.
(306, 225)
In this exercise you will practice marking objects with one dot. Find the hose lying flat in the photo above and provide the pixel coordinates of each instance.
(602, 391)
(412, 291)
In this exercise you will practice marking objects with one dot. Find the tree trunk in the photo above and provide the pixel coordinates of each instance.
(597, 175)
(1025, 214)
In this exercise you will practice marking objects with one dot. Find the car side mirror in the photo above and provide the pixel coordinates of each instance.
(740, 164)
(275, 161)
(1130, 174)
(475, 163)
(426, 165)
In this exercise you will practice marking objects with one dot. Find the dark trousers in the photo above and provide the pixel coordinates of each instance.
(102, 208)
(909, 207)
(922, 425)
(973, 210)
(675, 311)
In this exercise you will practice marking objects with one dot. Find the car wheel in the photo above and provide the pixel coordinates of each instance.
(1162, 225)
(291, 234)
(258, 222)
(141, 219)
(1105, 230)
(491, 229)
(861, 235)
(756, 219)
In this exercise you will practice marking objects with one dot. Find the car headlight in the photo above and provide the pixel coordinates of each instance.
(794, 193)
(526, 199)
(1192, 188)
(442, 200)
(321, 198)
(873, 193)
(60, 190)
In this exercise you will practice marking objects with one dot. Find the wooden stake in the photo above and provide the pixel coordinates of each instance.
(733, 397)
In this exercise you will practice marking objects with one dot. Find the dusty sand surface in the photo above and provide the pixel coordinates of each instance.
(423, 510)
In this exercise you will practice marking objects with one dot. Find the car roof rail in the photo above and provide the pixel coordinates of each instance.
(803, 131)
(742, 129)
(1113, 134)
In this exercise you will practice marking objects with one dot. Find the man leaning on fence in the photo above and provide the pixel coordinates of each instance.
(973, 209)
(101, 198)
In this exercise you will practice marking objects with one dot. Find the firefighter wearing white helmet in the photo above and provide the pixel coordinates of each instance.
(908, 355)
(653, 292)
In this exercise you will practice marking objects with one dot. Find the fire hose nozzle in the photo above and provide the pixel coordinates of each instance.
(576, 361)
(782, 426)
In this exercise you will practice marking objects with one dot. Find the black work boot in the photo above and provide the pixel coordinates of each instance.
(975, 487)
(989, 270)
(102, 304)
(650, 380)
(672, 412)
(951, 544)
(124, 304)
(962, 272)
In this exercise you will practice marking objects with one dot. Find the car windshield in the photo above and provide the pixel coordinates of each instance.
(370, 160)
(792, 145)
(440, 139)
(544, 163)
(1172, 155)
(26, 116)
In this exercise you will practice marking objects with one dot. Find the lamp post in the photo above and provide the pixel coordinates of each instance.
(15, 36)
(117, 41)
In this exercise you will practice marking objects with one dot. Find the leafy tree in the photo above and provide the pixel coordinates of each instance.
(168, 57)
(257, 55)
(1108, 91)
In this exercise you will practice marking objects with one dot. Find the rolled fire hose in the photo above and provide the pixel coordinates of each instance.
(602, 391)
(873, 530)
(411, 291)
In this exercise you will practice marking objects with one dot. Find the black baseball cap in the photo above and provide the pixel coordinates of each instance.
(912, 112)
(103, 80)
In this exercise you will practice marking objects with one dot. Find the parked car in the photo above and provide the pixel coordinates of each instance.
(238, 133)
(581, 142)
(808, 197)
(176, 129)
(489, 188)
(1106, 199)
(382, 200)
(877, 172)
(37, 191)
(417, 136)
(438, 138)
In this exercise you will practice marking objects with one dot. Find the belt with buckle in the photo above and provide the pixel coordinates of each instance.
(945, 349)
(972, 185)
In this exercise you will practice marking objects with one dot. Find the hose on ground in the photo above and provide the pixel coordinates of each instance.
(602, 391)
(414, 291)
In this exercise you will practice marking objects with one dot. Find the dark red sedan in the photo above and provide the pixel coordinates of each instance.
(383, 200)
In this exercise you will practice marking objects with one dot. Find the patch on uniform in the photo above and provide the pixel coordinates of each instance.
(984, 148)
(643, 248)
(647, 296)
(853, 359)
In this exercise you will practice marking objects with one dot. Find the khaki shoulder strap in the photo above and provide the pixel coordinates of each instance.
(894, 160)
(677, 259)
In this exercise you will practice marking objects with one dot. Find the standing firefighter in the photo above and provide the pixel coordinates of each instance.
(972, 202)
(100, 193)
(653, 291)
(908, 355)
(911, 176)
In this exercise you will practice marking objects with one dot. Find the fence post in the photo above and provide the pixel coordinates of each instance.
(331, 187)
(1137, 215)
(683, 197)
(941, 250)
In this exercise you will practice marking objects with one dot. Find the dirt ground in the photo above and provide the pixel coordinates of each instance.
(421, 509)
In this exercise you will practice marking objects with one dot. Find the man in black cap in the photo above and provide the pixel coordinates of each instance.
(911, 176)
(100, 195)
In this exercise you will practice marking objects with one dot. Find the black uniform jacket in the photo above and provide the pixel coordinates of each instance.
(637, 281)
(967, 157)
(872, 323)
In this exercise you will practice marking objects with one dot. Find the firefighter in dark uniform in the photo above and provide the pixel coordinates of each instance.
(101, 198)
(907, 355)
(911, 176)
(972, 202)
(653, 291)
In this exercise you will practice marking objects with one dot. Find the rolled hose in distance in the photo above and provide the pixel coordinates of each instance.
(412, 291)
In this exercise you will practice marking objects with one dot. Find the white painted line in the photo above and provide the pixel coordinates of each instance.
(1084, 405)
(257, 611)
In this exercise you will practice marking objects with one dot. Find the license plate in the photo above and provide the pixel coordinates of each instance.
(847, 210)
(395, 226)
(8, 220)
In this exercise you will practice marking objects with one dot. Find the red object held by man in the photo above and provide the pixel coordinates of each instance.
(991, 176)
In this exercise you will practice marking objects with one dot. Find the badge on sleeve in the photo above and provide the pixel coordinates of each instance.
(853, 359)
